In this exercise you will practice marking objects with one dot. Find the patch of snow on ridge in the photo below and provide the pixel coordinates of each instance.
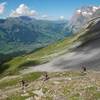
(88, 11)
(79, 11)
(95, 8)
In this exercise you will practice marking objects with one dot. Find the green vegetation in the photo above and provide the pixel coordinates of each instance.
(45, 54)
(42, 55)
(16, 80)
(66, 74)
(61, 85)
(17, 97)
(26, 34)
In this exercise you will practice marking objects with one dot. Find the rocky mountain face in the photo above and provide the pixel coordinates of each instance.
(83, 15)
(91, 37)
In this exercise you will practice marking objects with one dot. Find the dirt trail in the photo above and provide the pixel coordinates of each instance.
(17, 88)
(56, 85)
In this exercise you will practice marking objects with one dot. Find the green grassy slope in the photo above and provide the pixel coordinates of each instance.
(46, 54)
(41, 56)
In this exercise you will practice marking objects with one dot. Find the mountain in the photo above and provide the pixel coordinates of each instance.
(82, 48)
(83, 15)
(21, 31)
(27, 34)
(92, 34)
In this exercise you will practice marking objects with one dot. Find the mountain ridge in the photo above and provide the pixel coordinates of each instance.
(26, 30)
(73, 50)
(83, 15)
(81, 42)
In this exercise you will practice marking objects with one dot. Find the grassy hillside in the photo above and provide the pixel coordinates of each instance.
(46, 54)
(41, 56)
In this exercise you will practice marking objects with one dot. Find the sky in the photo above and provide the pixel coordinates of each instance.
(51, 9)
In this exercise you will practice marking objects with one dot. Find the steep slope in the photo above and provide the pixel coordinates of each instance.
(88, 53)
(93, 31)
(83, 15)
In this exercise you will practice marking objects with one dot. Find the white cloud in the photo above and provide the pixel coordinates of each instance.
(44, 16)
(23, 10)
(62, 17)
(95, 8)
(2, 7)
(79, 11)
(84, 13)
(90, 13)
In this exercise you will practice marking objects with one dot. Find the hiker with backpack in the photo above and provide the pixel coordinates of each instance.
(84, 69)
(23, 85)
(46, 77)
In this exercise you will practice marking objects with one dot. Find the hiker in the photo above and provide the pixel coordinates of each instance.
(84, 69)
(23, 84)
(46, 76)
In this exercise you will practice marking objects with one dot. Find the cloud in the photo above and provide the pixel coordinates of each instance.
(95, 8)
(87, 13)
(79, 11)
(62, 17)
(23, 10)
(2, 7)
(44, 16)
